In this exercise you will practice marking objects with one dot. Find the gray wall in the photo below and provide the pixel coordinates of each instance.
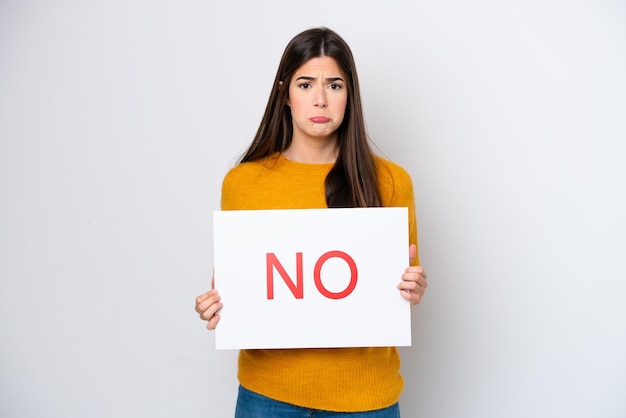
(118, 120)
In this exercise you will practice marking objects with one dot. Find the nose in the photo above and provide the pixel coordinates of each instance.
(320, 99)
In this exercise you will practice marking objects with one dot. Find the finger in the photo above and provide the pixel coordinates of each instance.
(412, 253)
(413, 277)
(212, 323)
(411, 291)
(415, 270)
(414, 297)
(413, 282)
(212, 315)
(408, 286)
(414, 285)
(201, 298)
(211, 311)
(204, 301)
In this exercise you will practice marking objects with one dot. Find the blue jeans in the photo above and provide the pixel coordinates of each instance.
(252, 405)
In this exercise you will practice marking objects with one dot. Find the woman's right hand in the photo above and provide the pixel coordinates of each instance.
(208, 305)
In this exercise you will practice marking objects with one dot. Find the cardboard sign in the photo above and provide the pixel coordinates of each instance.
(311, 278)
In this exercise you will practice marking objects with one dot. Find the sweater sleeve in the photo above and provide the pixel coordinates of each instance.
(238, 187)
(229, 193)
(396, 187)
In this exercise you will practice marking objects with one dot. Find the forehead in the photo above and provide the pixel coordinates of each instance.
(325, 65)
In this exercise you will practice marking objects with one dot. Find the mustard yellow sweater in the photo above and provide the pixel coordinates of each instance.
(335, 379)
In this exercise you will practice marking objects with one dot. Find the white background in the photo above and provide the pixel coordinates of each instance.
(118, 120)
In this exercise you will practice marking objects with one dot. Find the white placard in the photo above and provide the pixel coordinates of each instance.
(311, 278)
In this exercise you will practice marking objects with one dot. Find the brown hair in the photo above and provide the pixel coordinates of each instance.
(352, 182)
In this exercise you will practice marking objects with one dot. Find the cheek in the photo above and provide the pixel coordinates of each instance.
(341, 106)
(296, 104)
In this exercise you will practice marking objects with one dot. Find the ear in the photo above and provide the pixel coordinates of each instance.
(280, 86)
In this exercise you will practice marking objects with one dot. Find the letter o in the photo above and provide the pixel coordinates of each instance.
(318, 279)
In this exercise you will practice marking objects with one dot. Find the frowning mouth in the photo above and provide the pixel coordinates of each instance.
(319, 119)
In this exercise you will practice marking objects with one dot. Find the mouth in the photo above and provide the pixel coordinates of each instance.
(319, 119)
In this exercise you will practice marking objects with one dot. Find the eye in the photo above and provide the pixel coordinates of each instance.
(335, 86)
(304, 85)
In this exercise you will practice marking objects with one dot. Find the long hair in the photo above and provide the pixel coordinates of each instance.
(352, 181)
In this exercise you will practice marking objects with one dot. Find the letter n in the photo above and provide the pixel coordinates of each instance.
(272, 263)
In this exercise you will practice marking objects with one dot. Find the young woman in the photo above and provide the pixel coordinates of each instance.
(311, 151)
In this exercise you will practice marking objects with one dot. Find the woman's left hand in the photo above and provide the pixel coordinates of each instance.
(414, 283)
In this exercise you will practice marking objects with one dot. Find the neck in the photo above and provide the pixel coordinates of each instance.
(312, 153)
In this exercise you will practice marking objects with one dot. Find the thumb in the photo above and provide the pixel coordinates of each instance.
(412, 253)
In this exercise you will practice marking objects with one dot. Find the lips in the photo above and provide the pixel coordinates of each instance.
(319, 119)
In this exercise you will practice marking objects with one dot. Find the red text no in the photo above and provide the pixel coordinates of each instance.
(297, 288)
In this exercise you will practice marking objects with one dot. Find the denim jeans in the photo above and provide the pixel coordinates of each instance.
(253, 405)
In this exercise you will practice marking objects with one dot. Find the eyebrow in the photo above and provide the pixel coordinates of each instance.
(329, 79)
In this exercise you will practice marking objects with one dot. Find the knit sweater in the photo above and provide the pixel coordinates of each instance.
(334, 379)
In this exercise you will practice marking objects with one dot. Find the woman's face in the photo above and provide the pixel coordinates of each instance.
(317, 97)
